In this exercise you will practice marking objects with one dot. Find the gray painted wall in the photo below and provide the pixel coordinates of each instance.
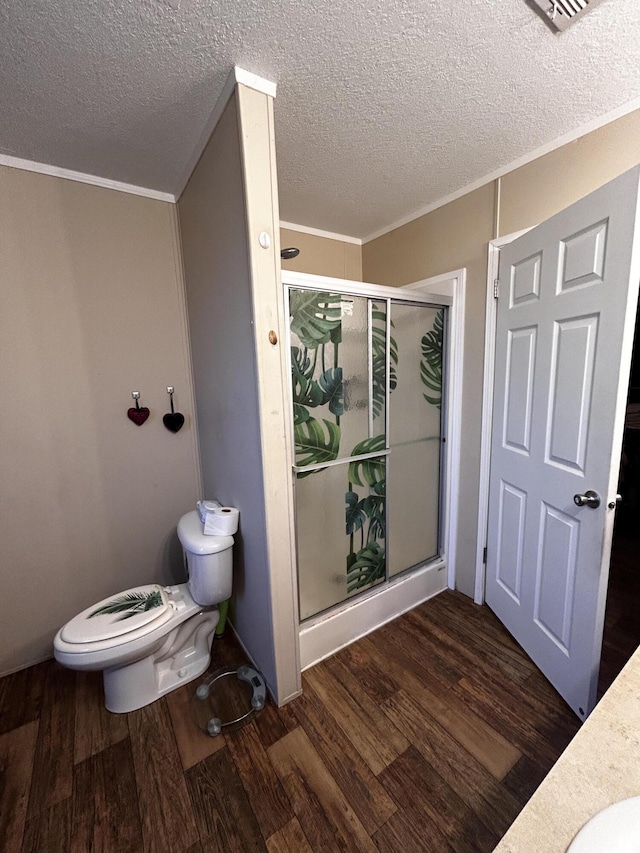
(218, 284)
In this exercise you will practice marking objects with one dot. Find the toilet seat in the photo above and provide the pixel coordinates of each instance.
(94, 631)
(118, 614)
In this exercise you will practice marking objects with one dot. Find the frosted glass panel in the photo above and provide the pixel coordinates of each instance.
(414, 470)
(331, 382)
(415, 436)
(340, 522)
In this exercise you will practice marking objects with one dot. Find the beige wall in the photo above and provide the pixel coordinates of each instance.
(322, 255)
(456, 235)
(536, 191)
(91, 309)
(451, 237)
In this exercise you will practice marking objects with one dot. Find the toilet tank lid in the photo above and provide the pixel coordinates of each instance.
(193, 539)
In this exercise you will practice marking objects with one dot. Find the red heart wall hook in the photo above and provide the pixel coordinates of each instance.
(140, 413)
(173, 421)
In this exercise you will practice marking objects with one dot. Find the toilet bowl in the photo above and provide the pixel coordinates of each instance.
(150, 639)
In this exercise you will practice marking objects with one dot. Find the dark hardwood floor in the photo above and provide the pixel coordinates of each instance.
(622, 615)
(428, 735)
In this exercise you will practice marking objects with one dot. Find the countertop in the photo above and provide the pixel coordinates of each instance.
(600, 766)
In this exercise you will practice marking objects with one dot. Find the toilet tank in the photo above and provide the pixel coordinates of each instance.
(209, 561)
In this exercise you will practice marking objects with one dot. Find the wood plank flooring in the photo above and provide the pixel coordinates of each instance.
(428, 735)
(622, 616)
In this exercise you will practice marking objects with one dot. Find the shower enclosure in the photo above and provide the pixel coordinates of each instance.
(367, 408)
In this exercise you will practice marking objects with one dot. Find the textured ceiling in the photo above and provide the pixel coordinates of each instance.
(383, 106)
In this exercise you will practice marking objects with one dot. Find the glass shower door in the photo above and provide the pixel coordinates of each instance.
(366, 394)
(338, 370)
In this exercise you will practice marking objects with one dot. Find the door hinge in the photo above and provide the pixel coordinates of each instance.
(484, 555)
(496, 288)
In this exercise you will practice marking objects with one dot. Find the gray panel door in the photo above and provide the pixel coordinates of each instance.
(565, 322)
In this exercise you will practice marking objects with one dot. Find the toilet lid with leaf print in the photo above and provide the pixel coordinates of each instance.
(119, 614)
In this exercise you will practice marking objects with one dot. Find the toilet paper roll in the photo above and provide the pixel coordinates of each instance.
(206, 506)
(221, 521)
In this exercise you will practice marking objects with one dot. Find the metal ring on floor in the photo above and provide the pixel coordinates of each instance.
(244, 673)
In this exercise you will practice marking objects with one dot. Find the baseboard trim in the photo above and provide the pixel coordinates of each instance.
(22, 666)
(333, 631)
(253, 663)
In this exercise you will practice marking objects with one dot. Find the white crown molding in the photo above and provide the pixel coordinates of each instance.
(236, 75)
(603, 120)
(316, 232)
(260, 84)
(82, 178)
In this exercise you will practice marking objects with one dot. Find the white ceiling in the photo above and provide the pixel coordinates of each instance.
(383, 106)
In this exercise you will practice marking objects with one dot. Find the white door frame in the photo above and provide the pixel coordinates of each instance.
(326, 633)
(491, 312)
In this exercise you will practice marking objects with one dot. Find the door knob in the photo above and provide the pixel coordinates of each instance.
(590, 498)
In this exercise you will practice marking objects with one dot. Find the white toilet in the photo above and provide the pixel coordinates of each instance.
(151, 639)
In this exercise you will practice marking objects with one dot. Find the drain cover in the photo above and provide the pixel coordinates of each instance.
(228, 699)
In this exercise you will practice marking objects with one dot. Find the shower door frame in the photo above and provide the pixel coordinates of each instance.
(322, 635)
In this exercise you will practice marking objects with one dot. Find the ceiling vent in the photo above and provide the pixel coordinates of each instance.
(560, 14)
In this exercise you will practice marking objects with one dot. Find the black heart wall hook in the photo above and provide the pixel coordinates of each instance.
(140, 413)
(173, 421)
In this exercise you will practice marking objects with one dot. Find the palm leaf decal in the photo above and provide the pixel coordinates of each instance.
(379, 359)
(301, 363)
(374, 507)
(355, 516)
(431, 364)
(130, 604)
(314, 316)
(332, 390)
(368, 471)
(367, 568)
(306, 391)
(306, 394)
(313, 445)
